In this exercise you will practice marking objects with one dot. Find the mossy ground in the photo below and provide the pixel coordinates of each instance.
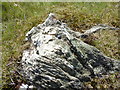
(18, 18)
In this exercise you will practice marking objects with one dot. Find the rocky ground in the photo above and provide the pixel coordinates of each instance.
(58, 58)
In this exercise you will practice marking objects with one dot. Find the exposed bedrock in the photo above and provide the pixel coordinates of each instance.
(58, 58)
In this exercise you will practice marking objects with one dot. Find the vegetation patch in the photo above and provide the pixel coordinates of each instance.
(19, 17)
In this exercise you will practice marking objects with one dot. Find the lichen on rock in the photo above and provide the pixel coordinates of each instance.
(58, 58)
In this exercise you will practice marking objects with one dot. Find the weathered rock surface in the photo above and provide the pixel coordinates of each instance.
(58, 58)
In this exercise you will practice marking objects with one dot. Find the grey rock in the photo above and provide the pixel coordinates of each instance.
(58, 58)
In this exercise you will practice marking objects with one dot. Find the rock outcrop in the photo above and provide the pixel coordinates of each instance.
(58, 58)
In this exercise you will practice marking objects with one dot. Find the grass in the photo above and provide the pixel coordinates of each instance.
(18, 18)
(106, 82)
